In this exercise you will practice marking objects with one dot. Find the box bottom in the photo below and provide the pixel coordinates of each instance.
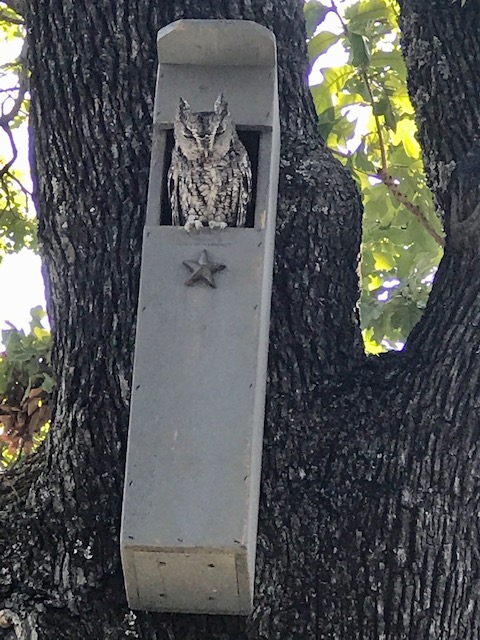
(208, 581)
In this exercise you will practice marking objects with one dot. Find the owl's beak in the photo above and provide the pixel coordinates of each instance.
(207, 145)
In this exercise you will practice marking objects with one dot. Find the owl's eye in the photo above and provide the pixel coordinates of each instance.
(187, 134)
(220, 130)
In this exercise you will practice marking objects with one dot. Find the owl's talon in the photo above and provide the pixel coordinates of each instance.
(198, 225)
(213, 224)
(189, 225)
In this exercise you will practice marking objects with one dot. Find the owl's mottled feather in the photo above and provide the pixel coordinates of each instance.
(210, 178)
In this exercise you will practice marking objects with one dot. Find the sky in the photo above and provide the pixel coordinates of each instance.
(21, 285)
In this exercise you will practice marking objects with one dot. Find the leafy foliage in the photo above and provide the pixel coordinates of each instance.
(26, 384)
(25, 375)
(366, 117)
(17, 226)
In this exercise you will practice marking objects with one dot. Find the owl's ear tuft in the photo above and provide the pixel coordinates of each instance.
(220, 107)
(183, 107)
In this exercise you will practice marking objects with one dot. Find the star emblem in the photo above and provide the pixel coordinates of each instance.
(202, 270)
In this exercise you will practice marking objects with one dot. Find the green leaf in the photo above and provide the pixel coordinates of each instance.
(389, 59)
(405, 134)
(321, 43)
(48, 383)
(383, 261)
(371, 346)
(315, 13)
(37, 314)
(361, 15)
(336, 78)
(41, 333)
(326, 122)
(322, 97)
(360, 50)
(384, 108)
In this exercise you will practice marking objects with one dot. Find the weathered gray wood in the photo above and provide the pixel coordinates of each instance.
(191, 498)
(191, 66)
(216, 43)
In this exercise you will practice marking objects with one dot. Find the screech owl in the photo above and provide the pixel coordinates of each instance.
(210, 177)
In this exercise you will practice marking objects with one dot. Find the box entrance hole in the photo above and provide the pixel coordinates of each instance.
(251, 141)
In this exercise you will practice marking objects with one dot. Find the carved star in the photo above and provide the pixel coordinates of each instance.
(202, 270)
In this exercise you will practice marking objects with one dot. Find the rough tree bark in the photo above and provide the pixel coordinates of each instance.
(370, 491)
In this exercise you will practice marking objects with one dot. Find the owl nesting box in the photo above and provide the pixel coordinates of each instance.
(195, 441)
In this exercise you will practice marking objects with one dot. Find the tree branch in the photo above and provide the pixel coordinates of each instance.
(16, 5)
(6, 118)
(8, 164)
(389, 182)
(10, 19)
(22, 187)
(378, 126)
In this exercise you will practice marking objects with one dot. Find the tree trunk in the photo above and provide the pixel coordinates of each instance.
(370, 488)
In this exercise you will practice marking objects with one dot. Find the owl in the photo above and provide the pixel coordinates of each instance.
(210, 177)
